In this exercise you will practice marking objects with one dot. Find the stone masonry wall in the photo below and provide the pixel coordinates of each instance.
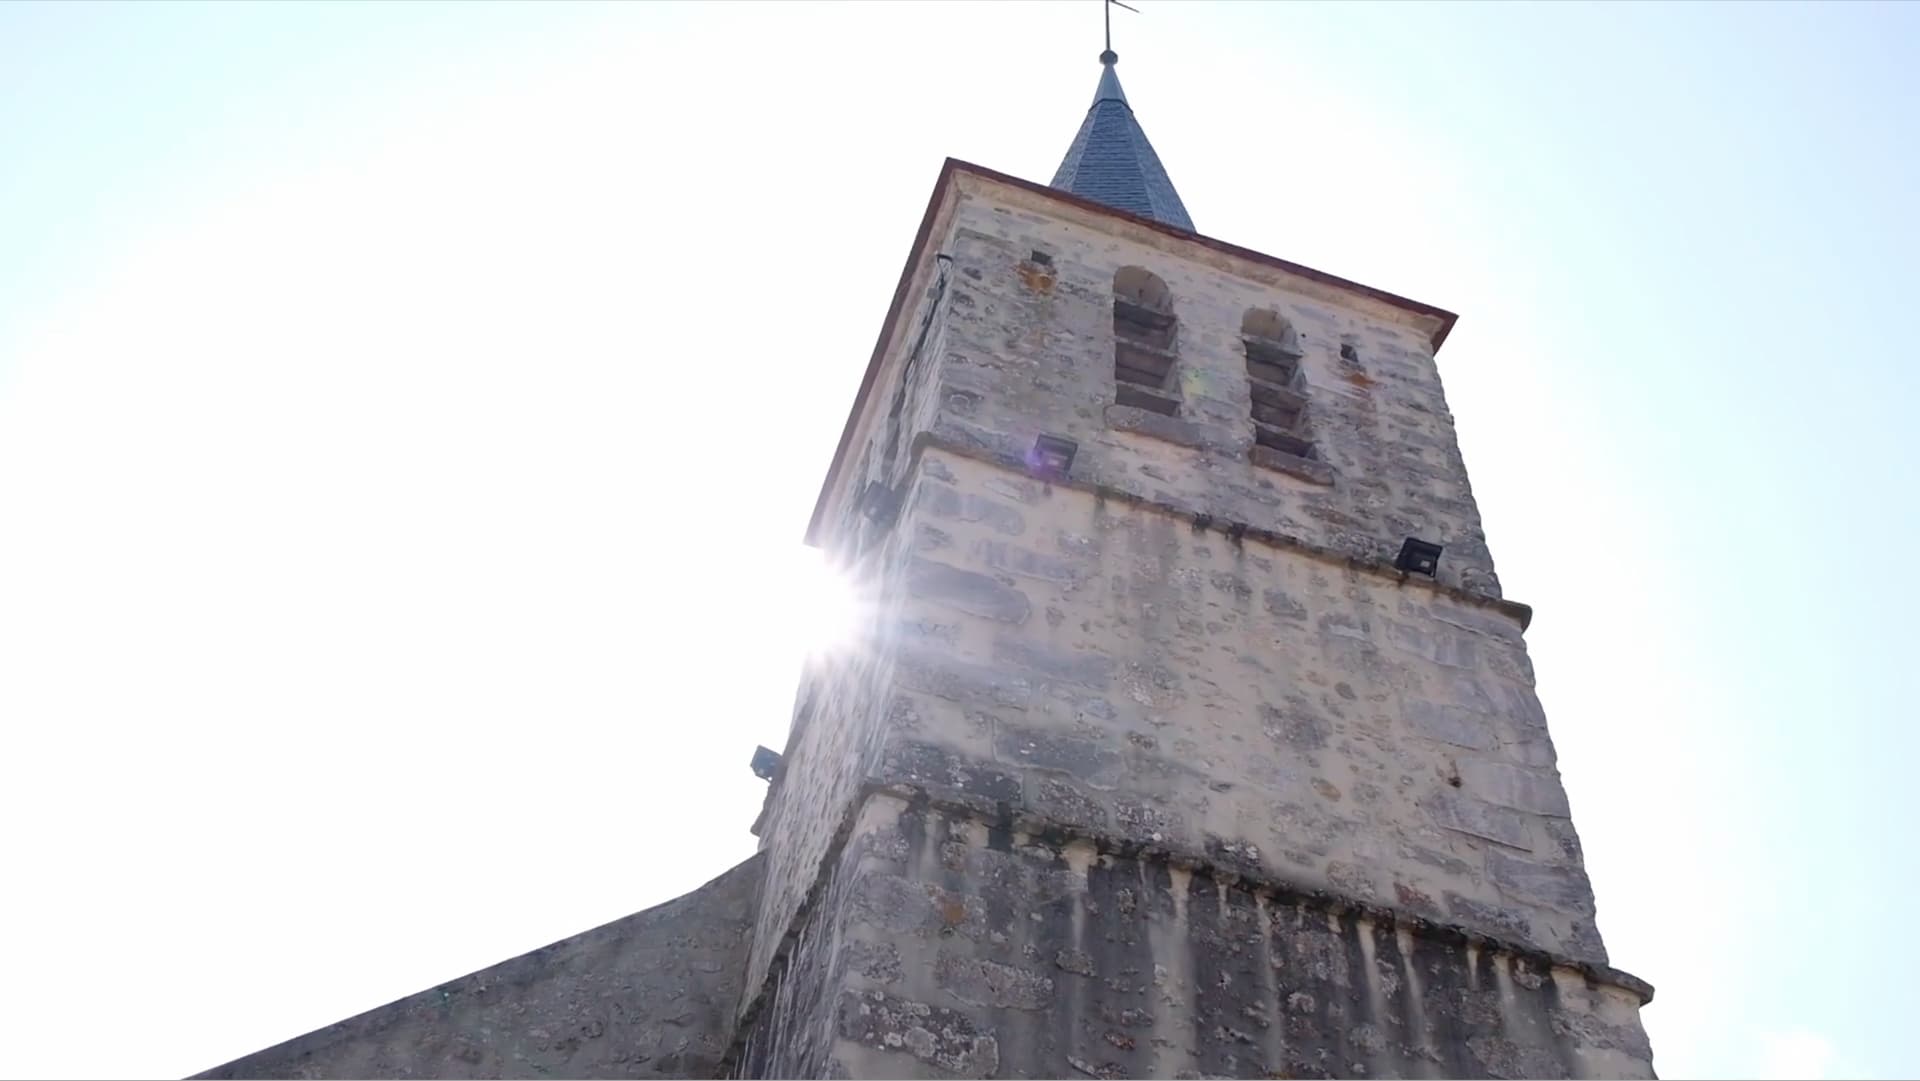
(836, 728)
(970, 949)
(1153, 800)
(1132, 755)
(651, 995)
(1029, 348)
(1111, 667)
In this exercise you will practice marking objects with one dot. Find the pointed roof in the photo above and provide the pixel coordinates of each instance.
(1111, 161)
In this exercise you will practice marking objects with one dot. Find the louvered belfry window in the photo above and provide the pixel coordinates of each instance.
(1144, 343)
(1273, 376)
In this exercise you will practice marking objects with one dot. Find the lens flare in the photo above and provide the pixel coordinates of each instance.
(826, 610)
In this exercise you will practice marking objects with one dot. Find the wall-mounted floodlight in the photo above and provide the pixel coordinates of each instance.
(764, 763)
(879, 503)
(1051, 456)
(1418, 557)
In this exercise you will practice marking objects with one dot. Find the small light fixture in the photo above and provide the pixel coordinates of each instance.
(764, 763)
(1418, 557)
(879, 503)
(1051, 455)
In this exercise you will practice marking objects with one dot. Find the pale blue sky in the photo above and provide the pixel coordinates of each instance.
(408, 411)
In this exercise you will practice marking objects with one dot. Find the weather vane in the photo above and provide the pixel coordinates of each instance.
(1106, 9)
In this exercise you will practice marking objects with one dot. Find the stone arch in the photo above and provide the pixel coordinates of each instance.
(1145, 333)
(1276, 402)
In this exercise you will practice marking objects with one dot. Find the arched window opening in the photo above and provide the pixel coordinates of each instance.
(1143, 342)
(1273, 377)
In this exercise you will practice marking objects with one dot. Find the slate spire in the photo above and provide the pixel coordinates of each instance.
(1111, 161)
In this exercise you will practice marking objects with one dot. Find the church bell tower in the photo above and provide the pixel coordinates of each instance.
(1191, 735)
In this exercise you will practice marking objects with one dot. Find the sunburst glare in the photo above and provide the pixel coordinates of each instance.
(825, 610)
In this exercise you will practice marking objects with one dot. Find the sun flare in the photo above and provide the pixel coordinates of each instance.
(826, 610)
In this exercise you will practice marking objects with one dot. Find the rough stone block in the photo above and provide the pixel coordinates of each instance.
(926, 765)
(1514, 700)
(944, 501)
(1583, 940)
(981, 686)
(1282, 605)
(1566, 841)
(1510, 924)
(1516, 787)
(1451, 865)
(967, 591)
(876, 962)
(1091, 670)
(1296, 726)
(1026, 563)
(901, 905)
(941, 1037)
(1084, 759)
(1489, 621)
(1342, 625)
(1307, 469)
(1457, 725)
(1186, 433)
(1067, 805)
(1533, 750)
(1444, 647)
(1464, 814)
(1145, 823)
(1560, 887)
(981, 982)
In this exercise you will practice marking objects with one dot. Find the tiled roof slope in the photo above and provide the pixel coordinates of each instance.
(1111, 161)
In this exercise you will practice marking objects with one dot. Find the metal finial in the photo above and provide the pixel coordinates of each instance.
(1108, 56)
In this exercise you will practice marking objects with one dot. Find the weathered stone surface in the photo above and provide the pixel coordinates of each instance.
(651, 995)
(1401, 759)
(1037, 748)
(981, 982)
(967, 591)
(983, 686)
(1291, 464)
(1438, 644)
(1465, 814)
(943, 501)
(932, 766)
(1278, 603)
(1485, 620)
(1296, 726)
(876, 962)
(1481, 916)
(1091, 670)
(1458, 725)
(1126, 418)
(1148, 969)
(1562, 887)
(1068, 805)
(1565, 841)
(1026, 563)
(1512, 786)
(935, 1035)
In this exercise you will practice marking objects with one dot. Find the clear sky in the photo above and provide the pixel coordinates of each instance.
(409, 415)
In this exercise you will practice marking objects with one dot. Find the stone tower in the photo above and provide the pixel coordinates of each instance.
(1173, 750)
(1190, 736)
